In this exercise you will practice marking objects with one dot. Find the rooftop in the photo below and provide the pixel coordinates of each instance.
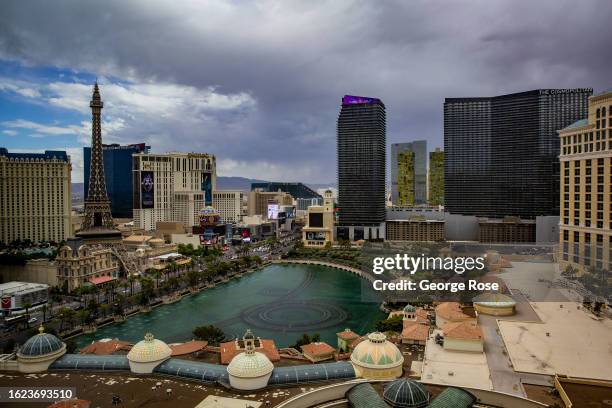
(577, 124)
(450, 311)
(47, 155)
(188, 347)
(463, 331)
(106, 347)
(230, 349)
(415, 331)
(317, 349)
(347, 334)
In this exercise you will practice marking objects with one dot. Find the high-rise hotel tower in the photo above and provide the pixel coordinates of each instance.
(34, 196)
(501, 152)
(586, 188)
(361, 168)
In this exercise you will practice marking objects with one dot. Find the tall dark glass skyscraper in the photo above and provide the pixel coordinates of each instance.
(361, 168)
(501, 153)
(118, 174)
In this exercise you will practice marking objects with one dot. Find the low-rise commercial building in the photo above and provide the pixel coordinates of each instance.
(318, 351)
(259, 201)
(415, 229)
(463, 336)
(319, 229)
(16, 295)
(79, 263)
(35, 271)
(509, 229)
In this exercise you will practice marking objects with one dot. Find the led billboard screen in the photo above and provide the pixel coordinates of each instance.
(147, 195)
(272, 211)
(207, 188)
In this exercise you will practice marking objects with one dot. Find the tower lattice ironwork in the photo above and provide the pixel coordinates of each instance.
(98, 227)
(97, 205)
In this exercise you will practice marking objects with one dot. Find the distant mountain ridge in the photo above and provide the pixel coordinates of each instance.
(244, 184)
(223, 183)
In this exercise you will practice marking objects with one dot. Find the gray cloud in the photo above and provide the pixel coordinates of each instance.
(296, 59)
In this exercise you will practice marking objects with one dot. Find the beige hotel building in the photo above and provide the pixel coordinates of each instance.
(231, 205)
(172, 187)
(586, 192)
(35, 199)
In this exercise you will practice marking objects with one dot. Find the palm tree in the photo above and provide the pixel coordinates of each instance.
(131, 280)
(157, 275)
(65, 314)
(27, 306)
(124, 286)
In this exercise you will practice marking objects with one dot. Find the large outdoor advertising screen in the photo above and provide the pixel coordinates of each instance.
(272, 211)
(207, 188)
(147, 189)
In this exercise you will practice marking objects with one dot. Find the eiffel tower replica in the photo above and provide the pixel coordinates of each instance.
(98, 227)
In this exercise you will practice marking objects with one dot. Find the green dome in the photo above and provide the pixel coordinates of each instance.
(409, 309)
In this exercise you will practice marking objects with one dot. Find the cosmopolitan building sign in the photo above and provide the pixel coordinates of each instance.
(565, 91)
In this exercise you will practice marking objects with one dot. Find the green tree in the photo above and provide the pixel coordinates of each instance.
(213, 335)
(395, 324)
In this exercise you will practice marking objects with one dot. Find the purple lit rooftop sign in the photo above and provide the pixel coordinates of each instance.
(351, 100)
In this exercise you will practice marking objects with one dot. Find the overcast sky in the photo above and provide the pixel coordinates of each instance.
(259, 83)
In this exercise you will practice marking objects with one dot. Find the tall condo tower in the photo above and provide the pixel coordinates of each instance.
(361, 168)
(409, 173)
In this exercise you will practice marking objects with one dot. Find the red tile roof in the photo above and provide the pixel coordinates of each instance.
(347, 334)
(101, 279)
(318, 349)
(103, 348)
(462, 331)
(232, 348)
(415, 331)
(451, 311)
(188, 347)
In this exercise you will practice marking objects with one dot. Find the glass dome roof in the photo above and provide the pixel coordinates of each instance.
(41, 344)
(406, 393)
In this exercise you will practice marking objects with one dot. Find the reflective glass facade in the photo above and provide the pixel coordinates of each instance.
(361, 163)
(501, 153)
(118, 174)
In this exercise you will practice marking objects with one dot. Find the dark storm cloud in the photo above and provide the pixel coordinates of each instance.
(296, 59)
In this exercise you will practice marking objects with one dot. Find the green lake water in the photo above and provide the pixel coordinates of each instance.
(279, 302)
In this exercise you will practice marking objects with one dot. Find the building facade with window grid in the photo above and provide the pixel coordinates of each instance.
(361, 150)
(179, 187)
(586, 193)
(501, 153)
(230, 204)
(35, 196)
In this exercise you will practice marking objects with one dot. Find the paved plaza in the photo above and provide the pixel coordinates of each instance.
(569, 341)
